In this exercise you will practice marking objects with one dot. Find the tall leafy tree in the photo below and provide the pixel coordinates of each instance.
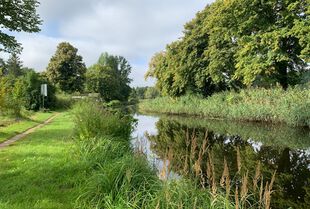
(110, 77)
(183, 66)
(17, 15)
(235, 43)
(158, 68)
(66, 69)
(276, 49)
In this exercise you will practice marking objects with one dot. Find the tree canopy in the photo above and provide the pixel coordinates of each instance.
(66, 69)
(236, 43)
(17, 15)
(110, 78)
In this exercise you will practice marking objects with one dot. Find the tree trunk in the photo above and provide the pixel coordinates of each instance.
(283, 75)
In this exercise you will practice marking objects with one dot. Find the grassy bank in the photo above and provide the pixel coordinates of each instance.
(12, 126)
(267, 105)
(118, 178)
(39, 172)
(96, 169)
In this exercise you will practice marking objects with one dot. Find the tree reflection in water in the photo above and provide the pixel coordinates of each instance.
(192, 152)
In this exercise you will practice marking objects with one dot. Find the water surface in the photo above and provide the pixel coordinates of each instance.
(187, 147)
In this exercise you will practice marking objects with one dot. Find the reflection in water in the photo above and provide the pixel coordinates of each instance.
(203, 152)
(145, 127)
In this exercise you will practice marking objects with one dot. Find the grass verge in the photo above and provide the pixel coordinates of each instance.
(18, 126)
(115, 177)
(38, 171)
(267, 105)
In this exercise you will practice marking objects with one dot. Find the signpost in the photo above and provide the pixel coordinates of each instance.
(43, 92)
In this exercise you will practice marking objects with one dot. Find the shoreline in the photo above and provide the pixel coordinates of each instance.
(274, 106)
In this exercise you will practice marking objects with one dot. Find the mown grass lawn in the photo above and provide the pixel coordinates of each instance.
(18, 127)
(37, 172)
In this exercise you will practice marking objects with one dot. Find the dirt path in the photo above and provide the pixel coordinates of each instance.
(29, 131)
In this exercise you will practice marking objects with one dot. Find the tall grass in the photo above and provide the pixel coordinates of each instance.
(267, 105)
(115, 177)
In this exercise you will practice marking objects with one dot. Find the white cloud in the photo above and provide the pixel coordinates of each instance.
(38, 50)
(135, 29)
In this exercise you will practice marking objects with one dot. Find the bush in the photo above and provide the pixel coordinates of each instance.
(64, 101)
(24, 92)
(93, 120)
(11, 96)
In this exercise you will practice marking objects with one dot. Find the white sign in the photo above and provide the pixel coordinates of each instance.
(44, 89)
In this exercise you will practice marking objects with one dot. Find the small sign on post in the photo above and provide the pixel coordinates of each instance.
(43, 92)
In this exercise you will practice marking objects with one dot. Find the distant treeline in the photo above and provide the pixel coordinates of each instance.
(65, 75)
(146, 92)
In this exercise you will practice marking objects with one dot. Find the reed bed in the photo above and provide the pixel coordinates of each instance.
(266, 105)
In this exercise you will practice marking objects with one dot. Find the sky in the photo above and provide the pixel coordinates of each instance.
(135, 29)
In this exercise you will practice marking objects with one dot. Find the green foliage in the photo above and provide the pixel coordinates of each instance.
(64, 101)
(117, 178)
(24, 92)
(140, 92)
(11, 95)
(66, 69)
(31, 86)
(14, 66)
(109, 78)
(93, 120)
(274, 105)
(3, 70)
(235, 43)
(151, 93)
(17, 15)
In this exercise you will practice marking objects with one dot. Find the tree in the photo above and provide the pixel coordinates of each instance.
(110, 78)
(66, 69)
(151, 93)
(275, 49)
(24, 92)
(140, 91)
(236, 43)
(158, 68)
(3, 69)
(32, 91)
(17, 15)
(14, 65)
(100, 79)
(185, 66)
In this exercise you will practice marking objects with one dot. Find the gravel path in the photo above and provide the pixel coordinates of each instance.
(29, 131)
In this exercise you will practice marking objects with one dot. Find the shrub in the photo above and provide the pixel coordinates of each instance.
(24, 92)
(64, 101)
(93, 120)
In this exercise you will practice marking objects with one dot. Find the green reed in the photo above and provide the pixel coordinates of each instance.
(255, 104)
